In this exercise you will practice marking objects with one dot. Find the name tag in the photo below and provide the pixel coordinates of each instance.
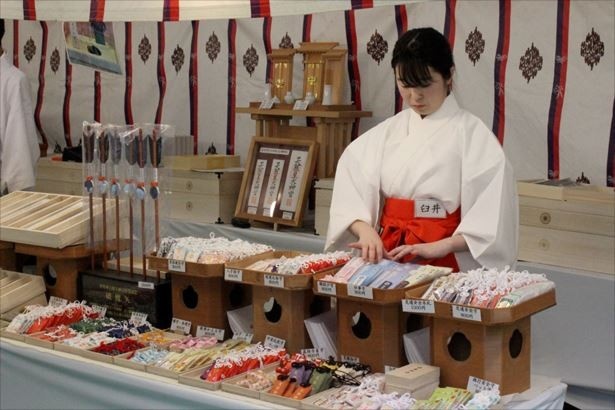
(429, 208)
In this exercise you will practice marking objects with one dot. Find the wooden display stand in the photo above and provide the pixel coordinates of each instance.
(8, 260)
(491, 344)
(285, 319)
(332, 130)
(281, 303)
(205, 301)
(500, 354)
(60, 267)
(377, 338)
(200, 295)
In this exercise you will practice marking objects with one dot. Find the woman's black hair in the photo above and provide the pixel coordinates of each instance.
(417, 50)
(1, 29)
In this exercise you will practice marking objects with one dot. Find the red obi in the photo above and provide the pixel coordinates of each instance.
(399, 226)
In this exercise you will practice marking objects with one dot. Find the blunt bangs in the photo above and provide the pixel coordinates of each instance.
(413, 73)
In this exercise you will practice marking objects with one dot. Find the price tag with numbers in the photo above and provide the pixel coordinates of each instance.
(275, 281)
(359, 291)
(177, 265)
(180, 325)
(274, 342)
(138, 318)
(418, 306)
(326, 288)
(350, 359)
(210, 331)
(57, 302)
(466, 312)
(476, 385)
(314, 353)
(235, 275)
(246, 337)
(102, 310)
(145, 285)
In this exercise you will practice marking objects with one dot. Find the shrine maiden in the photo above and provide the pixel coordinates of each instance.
(431, 184)
(19, 148)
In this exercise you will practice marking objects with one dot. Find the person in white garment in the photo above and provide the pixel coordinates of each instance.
(19, 149)
(430, 184)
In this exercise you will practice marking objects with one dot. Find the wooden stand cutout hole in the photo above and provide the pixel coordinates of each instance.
(361, 325)
(273, 310)
(190, 297)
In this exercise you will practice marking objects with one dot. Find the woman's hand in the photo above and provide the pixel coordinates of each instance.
(433, 250)
(370, 244)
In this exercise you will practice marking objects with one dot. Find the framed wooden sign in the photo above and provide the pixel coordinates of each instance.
(276, 180)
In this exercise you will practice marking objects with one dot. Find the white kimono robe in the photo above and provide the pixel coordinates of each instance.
(450, 156)
(19, 148)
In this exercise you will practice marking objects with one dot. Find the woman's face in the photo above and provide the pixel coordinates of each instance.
(425, 100)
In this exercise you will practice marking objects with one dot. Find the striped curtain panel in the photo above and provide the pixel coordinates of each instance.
(539, 74)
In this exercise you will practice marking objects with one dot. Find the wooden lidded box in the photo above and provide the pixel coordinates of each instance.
(208, 195)
(570, 226)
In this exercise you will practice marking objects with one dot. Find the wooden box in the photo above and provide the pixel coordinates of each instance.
(58, 177)
(49, 220)
(324, 193)
(17, 289)
(572, 227)
(204, 301)
(201, 162)
(208, 196)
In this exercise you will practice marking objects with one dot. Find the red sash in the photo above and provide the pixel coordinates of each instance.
(400, 227)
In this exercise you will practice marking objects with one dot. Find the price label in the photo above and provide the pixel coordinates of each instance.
(176, 265)
(418, 306)
(246, 337)
(326, 288)
(467, 313)
(301, 105)
(266, 105)
(235, 275)
(138, 318)
(274, 342)
(314, 353)
(388, 368)
(180, 325)
(102, 310)
(57, 302)
(476, 385)
(359, 291)
(146, 285)
(350, 359)
(274, 281)
(210, 332)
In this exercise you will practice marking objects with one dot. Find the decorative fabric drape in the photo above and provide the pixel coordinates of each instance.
(539, 74)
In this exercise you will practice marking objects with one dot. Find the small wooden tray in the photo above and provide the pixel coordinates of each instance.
(230, 384)
(11, 335)
(123, 361)
(193, 378)
(214, 270)
(489, 316)
(36, 341)
(260, 278)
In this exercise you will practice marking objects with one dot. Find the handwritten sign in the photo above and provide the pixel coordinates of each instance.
(326, 288)
(138, 318)
(246, 337)
(476, 385)
(274, 281)
(180, 326)
(57, 302)
(274, 342)
(466, 312)
(359, 291)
